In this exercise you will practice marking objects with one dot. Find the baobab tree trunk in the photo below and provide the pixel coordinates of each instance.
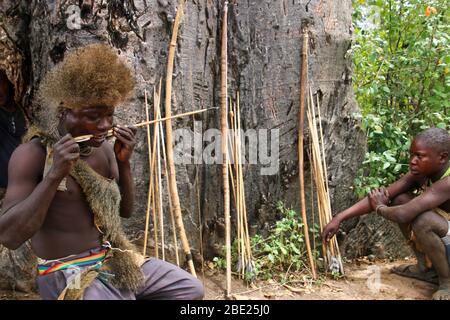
(264, 66)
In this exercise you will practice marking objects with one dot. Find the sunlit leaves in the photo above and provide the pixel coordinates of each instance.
(401, 58)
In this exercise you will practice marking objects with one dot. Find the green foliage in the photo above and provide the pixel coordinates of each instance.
(283, 252)
(220, 262)
(401, 56)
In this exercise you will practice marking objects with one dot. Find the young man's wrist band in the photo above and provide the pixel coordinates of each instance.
(379, 207)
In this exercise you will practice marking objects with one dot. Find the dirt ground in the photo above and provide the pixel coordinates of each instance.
(359, 283)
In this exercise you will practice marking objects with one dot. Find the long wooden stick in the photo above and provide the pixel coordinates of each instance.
(224, 131)
(244, 206)
(168, 118)
(153, 174)
(169, 146)
(200, 222)
(240, 207)
(166, 174)
(232, 157)
(312, 194)
(316, 171)
(154, 186)
(159, 182)
(318, 163)
(335, 246)
(322, 166)
(145, 123)
(147, 215)
(301, 119)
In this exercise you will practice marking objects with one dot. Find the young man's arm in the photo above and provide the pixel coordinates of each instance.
(121, 168)
(27, 200)
(404, 184)
(434, 196)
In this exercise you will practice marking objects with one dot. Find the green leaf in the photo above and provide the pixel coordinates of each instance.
(386, 89)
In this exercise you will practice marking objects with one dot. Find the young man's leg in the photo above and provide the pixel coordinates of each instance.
(430, 228)
(420, 270)
(165, 281)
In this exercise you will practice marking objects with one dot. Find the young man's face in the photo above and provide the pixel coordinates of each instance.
(90, 120)
(424, 160)
(5, 90)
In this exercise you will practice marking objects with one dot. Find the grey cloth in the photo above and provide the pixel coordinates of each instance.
(162, 281)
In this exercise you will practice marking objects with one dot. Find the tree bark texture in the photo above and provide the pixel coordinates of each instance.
(264, 50)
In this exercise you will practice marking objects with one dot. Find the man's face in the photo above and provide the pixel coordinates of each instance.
(90, 120)
(424, 160)
(5, 90)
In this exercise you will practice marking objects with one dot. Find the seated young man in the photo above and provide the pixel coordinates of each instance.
(68, 197)
(424, 219)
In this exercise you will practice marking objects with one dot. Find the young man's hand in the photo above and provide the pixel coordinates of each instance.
(125, 142)
(330, 229)
(378, 197)
(65, 152)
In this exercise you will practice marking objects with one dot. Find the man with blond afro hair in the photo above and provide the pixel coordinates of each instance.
(68, 197)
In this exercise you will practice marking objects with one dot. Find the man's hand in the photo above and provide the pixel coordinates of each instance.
(377, 197)
(124, 145)
(330, 229)
(65, 153)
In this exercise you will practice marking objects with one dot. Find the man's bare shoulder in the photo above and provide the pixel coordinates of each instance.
(30, 156)
(32, 148)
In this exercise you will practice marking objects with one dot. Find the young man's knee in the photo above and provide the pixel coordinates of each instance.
(421, 224)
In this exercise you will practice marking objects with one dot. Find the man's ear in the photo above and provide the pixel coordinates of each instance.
(444, 157)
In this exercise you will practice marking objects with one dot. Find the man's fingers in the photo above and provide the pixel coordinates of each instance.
(126, 130)
(70, 145)
(123, 140)
(64, 139)
(126, 134)
(73, 156)
(133, 129)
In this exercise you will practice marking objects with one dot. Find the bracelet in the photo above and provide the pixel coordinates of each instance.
(379, 207)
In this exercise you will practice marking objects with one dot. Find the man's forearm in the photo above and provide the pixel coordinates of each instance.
(399, 214)
(358, 209)
(127, 189)
(19, 222)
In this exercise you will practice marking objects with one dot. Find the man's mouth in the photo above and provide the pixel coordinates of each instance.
(99, 137)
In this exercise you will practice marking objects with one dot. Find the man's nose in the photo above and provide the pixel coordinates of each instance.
(105, 123)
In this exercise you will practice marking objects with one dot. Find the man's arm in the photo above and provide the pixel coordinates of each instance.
(121, 168)
(27, 200)
(126, 186)
(362, 207)
(434, 196)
